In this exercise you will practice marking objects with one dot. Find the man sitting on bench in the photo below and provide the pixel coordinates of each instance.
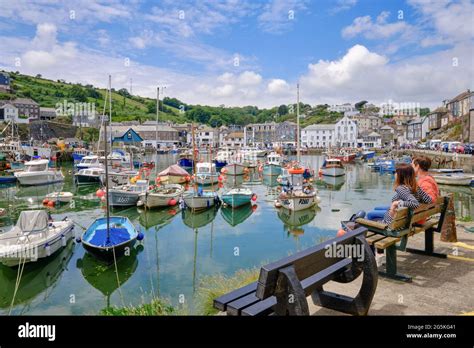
(421, 165)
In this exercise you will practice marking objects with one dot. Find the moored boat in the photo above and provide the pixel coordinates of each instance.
(90, 176)
(200, 199)
(174, 174)
(62, 197)
(273, 164)
(206, 174)
(234, 168)
(34, 237)
(89, 161)
(127, 195)
(237, 197)
(453, 179)
(37, 172)
(162, 196)
(332, 167)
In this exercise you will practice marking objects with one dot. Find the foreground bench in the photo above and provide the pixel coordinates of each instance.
(395, 236)
(283, 285)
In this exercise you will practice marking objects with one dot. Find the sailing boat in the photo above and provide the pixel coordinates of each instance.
(108, 237)
(298, 194)
(198, 199)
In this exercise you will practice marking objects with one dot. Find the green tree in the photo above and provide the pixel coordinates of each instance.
(282, 109)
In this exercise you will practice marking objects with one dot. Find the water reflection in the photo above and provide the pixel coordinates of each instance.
(38, 278)
(236, 216)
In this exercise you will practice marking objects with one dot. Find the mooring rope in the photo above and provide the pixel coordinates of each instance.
(118, 280)
(19, 274)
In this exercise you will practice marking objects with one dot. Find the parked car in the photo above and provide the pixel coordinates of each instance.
(469, 149)
(422, 146)
(459, 148)
(453, 145)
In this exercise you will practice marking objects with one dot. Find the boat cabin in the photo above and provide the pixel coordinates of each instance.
(274, 159)
(205, 168)
(36, 165)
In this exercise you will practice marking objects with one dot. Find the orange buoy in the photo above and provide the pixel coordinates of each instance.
(340, 233)
(220, 178)
(254, 197)
(45, 201)
(188, 178)
(51, 204)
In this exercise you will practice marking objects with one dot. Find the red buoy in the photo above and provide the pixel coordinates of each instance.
(254, 197)
(100, 193)
(51, 204)
(172, 202)
(340, 233)
(45, 201)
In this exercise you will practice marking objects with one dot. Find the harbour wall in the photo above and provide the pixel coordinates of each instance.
(444, 159)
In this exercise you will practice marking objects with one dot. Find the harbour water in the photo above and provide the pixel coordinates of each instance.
(181, 248)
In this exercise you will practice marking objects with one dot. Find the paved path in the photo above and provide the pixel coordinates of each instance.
(439, 287)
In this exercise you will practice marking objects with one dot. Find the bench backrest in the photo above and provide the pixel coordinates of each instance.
(306, 263)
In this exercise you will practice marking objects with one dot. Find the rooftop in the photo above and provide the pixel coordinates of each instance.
(320, 126)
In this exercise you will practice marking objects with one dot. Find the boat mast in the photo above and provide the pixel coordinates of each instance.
(298, 122)
(105, 156)
(194, 155)
(156, 128)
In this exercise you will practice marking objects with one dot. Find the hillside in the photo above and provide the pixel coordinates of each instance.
(128, 107)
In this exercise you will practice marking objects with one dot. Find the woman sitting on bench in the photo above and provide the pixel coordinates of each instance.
(407, 194)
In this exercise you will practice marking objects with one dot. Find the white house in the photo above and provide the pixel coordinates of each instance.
(346, 132)
(207, 136)
(9, 112)
(347, 107)
(318, 135)
(234, 140)
(370, 140)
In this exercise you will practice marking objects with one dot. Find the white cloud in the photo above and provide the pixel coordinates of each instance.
(223, 91)
(278, 87)
(226, 77)
(361, 74)
(45, 50)
(278, 15)
(379, 29)
(249, 78)
(343, 5)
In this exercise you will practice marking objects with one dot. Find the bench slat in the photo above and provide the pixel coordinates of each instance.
(375, 238)
(386, 242)
(221, 302)
(265, 307)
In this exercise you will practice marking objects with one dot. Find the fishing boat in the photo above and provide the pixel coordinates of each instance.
(108, 237)
(161, 196)
(237, 197)
(127, 195)
(446, 171)
(273, 164)
(333, 167)
(206, 174)
(90, 176)
(222, 158)
(200, 199)
(284, 178)
(79, 153)
(453, 179)
(298, 194)
(233, 168)
(119, 159)
(366, 155)
(174, 174)
(121, 177)
(62, 197)
(6, 174)
(37, 172)
(186, 160)
(235, 217)
(345, 155)
(90, 161)
(34, 237)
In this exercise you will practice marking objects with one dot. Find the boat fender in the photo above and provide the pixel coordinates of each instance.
(172, 202)
(277, 204)
(254, 197)
(51, 204)
(45, 201)
(140, 236)
(63, 240)
(47, 249)
(318, 199)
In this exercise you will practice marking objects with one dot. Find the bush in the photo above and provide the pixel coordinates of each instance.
(217, 285)
(155, 307)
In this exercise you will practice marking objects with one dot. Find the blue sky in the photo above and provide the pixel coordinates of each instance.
(248, 52)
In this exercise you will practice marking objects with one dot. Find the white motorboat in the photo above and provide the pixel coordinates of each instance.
(200, 199)
(206, 174)
(233, 168)
(333, 167)
(37, 172)
(34, 237)
(119, 158)
(161, 196)
(120, 178)
(91, 161)
(273, 164)
(90, 176)
(454, 179)
(63, 197)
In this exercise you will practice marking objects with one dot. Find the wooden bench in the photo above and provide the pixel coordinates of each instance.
(283, 285)
(395, 236)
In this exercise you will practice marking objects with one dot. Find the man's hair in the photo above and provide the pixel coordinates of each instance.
(423, 161)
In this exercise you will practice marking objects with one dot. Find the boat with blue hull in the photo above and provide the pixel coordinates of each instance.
(79, 154)
(103, 242)
(237, 197)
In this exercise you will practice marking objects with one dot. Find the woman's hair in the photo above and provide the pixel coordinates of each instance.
(423, 161)
(406, 176)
